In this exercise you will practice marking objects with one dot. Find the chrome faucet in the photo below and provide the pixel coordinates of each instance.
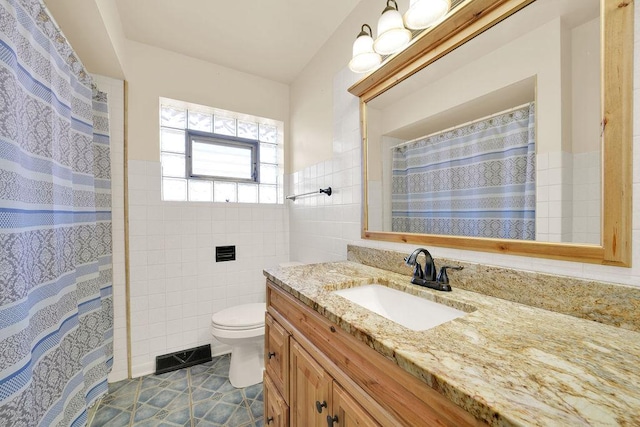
(427, 277)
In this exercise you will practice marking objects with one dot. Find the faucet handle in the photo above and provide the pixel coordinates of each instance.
(442, 276)
(417, 271)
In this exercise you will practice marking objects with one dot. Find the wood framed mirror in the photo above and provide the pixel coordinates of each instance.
(470, 19)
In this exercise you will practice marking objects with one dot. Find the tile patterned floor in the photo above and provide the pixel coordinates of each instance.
(197, 396)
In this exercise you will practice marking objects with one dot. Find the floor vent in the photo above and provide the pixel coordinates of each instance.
(183, 359)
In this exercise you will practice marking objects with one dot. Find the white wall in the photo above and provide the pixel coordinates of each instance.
(153, 73)
(534, 54)
(175, 283)
(115, 92)
(321, 226)
(341, 215)
(586, 130)
(312, 122)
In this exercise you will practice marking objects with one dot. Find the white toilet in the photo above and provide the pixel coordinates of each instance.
(242, 328)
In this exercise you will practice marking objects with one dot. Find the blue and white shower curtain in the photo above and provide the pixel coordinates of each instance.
(56, 318)
(475, 180)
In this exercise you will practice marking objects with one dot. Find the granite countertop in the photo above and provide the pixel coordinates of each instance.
(504, 362)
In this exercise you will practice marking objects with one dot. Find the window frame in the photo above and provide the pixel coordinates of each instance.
(221, 140)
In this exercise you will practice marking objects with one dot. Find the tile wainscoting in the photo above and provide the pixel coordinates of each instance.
(176, 285)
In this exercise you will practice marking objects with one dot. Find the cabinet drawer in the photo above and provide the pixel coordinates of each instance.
(276, 411)
(276, 355)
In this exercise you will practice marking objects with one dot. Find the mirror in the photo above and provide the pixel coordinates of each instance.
(435, 175)
(446, 155)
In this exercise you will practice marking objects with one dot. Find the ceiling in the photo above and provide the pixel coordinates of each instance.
(273, 39)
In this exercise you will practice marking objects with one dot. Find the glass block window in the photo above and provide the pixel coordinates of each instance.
(213, 155)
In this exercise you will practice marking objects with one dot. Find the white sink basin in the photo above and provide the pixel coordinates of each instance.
(410, 311)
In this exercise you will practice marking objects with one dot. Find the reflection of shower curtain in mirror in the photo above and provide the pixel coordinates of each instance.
(474, 180)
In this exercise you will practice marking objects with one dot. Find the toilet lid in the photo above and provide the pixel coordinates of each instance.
(244, 316)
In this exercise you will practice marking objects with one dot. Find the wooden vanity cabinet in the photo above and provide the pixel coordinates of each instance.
(336, 380)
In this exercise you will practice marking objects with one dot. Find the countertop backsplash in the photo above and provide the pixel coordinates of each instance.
(610, 304)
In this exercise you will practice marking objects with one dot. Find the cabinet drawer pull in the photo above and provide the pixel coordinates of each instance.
(319, 405)
(332, 329)
(331, 420)
(271, 354)
(269, 420)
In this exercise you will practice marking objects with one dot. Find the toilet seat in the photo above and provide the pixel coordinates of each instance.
(240, 317)
(236, 334)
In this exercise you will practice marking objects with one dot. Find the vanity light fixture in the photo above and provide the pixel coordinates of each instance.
(394, 31)
(392, 35)
(425, 13)
(364, 58)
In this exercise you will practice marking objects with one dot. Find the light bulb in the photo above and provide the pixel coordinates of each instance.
(425, 13)
(392, 35)
(364, 58)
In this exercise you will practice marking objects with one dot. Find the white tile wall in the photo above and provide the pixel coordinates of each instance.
(554, 196)
(115, 91)
(568, 197)
(176, 285)
(322, 226)
(586, 198)
(338, 216)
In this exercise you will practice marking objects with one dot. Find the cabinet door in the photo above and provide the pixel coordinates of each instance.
(310, 389)
(346, 412)
(276, 355)
(276, 411)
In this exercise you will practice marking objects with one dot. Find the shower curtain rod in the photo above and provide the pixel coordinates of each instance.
(508, 110)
